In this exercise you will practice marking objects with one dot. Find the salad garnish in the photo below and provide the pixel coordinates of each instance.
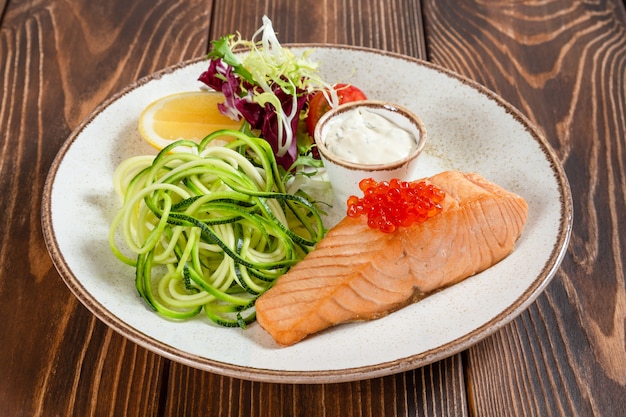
(268, 87)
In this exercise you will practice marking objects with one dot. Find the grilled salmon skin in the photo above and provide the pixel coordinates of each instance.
(359, 273)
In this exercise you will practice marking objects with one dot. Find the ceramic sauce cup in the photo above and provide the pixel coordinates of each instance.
(367, 139)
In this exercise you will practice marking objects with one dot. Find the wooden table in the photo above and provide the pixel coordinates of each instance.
(561, 62)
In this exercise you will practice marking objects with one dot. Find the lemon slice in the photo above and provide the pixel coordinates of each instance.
(188, 115)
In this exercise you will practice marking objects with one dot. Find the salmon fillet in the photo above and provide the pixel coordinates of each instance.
(359, 273)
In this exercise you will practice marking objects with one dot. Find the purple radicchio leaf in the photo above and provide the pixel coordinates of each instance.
(220, 77)
(215, 75)
(270, 126)
(238, 103)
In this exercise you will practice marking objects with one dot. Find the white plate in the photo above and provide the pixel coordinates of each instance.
(469, 129)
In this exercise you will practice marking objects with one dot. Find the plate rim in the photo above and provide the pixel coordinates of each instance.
(260, 374)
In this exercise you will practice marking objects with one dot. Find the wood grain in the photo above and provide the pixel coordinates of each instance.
(393, 25)
(59, 59)
(564, 66)
(429, 391)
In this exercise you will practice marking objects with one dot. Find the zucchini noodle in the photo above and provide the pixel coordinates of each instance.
(209, 229)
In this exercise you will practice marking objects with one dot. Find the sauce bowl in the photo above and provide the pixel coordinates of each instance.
(345, 175)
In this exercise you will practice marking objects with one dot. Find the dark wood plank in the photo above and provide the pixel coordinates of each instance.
(562, 64)
(394, 25)
(59, 60)
(430, 391)
(3, 5)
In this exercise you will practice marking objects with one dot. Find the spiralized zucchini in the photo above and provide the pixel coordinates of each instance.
(209, 229)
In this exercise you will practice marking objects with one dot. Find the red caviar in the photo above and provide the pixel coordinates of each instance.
(396, 203)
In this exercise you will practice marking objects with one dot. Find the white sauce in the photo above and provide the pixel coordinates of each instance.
(364, 137)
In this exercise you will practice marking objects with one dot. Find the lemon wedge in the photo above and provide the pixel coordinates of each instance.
(188, 115)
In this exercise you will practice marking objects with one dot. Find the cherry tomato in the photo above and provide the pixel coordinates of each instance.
(318, 105)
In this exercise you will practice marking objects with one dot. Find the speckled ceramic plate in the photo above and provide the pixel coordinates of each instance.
(469, 129)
